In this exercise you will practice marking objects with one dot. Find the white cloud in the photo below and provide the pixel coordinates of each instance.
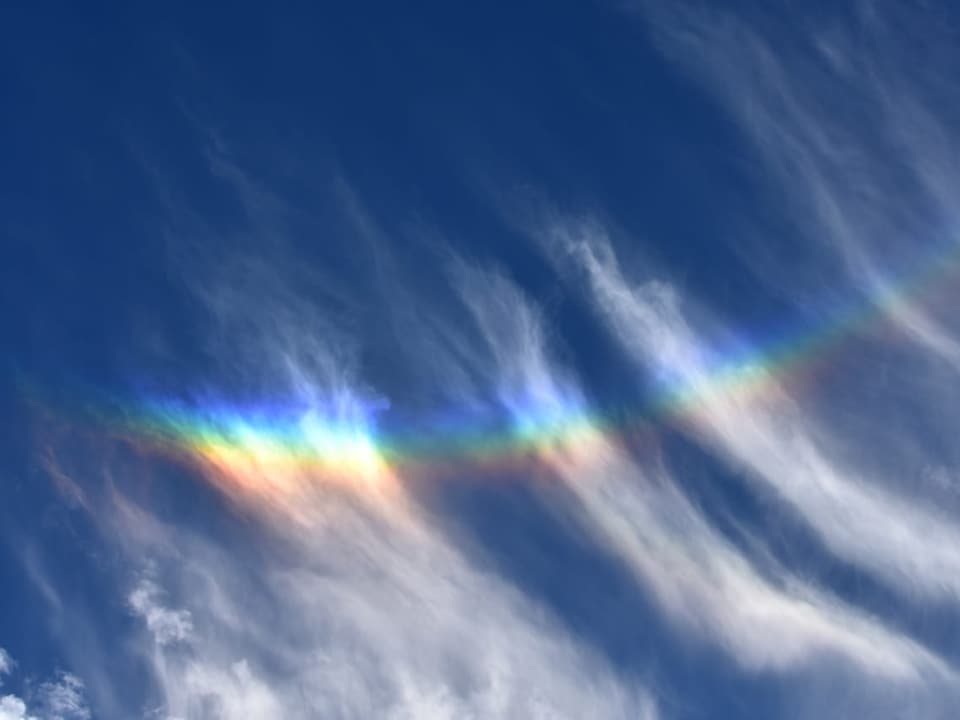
(13, 708)
(62, 698)
(700, 580)
(376, 616)
(910, 546)
(168, 626)
(353, 604)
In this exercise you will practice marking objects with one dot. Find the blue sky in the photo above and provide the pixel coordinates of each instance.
(445, 360)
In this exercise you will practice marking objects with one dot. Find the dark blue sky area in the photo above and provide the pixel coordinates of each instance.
(417, 108)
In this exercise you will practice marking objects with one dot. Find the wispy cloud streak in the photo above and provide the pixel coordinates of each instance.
(912, 547)
(709, 589)
(853, 130)
(373, 612)
(855, 145)
(351, 600)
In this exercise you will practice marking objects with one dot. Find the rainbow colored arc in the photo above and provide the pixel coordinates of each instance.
(280, 449)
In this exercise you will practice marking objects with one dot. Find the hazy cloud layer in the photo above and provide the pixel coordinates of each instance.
(371, 612)
(352, 600)
(699, 578)
(912, 546)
